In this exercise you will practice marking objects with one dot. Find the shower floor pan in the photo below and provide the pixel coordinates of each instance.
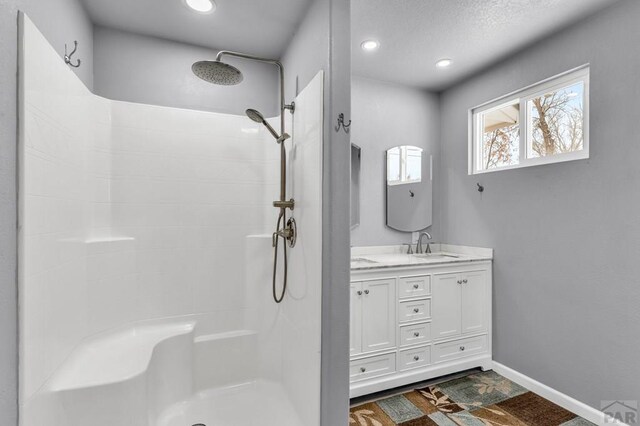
(259, 403)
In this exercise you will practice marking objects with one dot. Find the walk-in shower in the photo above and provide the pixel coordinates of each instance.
(218, 72)
(146, 246)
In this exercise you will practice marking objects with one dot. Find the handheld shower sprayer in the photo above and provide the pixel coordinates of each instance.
(259, 118)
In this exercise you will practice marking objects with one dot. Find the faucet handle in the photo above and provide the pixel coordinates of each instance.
(409, 248)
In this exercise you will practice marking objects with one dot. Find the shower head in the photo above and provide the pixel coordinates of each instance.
(255, 116)
(259, 118)
(217, 72)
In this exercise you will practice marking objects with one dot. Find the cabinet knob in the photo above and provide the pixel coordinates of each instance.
(366, 292)
(416, 310)
(462, 348)
(362, 369)
(359, 293)
(464, 281)
(416, 286)
(416, 358)
(416, 334)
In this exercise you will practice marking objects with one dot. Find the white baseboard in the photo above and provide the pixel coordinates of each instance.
(565, 401)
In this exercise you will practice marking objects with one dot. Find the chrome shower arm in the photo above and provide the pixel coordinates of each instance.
(275, 62)
(246, 56)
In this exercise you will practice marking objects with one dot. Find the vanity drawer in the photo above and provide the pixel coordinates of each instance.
(367, 368)
(461, 348)
(415, 334)
(414, 358)
(415, 310)
(419, 286)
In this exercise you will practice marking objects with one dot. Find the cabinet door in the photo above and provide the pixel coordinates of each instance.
(446, 293)
(378, 315)
(474, 302)
(355, 330)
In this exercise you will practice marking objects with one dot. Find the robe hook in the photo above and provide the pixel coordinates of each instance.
(67, 57)
(341, 123)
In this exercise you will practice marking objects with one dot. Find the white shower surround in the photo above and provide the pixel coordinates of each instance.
(143, 239)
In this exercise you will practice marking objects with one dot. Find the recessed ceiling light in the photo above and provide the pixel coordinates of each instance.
(444, 63)
(201, 6)
(370, 45)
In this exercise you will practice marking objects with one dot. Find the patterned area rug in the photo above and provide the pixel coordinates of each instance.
(483, 399)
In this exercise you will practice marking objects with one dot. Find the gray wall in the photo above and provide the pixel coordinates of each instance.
(149, 70)
(566, 236)
(322, 42)
(387, 115)
(61, 21)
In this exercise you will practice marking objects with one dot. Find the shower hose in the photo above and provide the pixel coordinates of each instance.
(278, 299)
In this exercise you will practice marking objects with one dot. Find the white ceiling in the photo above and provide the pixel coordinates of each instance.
(259, 27)
(414, 34)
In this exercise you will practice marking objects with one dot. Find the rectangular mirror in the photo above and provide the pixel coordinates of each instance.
(409, 189)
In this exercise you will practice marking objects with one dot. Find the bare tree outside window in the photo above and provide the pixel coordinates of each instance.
(501, 136)
(557, 120)
(501, 147)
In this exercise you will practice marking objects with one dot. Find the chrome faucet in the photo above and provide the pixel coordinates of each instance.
(409, 248)
(419, 244)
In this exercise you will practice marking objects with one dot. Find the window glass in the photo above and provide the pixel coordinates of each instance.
(556, 122)
(544, 123)
(501, 136)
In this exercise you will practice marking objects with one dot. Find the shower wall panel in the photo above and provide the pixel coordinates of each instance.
(289, 333)
(188, 186)
(60, 178)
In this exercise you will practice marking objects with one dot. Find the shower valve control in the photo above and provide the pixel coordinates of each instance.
(289, 233)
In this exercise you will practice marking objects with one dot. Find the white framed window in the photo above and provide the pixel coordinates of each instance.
(547, 122)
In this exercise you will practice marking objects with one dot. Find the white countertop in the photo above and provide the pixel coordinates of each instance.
(365, 258)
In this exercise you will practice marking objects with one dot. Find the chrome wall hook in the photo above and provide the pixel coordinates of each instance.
(341, 123)
(67, 57)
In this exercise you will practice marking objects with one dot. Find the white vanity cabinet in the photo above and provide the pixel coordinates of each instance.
(414, 323)
(373, 314)
(461, 307)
